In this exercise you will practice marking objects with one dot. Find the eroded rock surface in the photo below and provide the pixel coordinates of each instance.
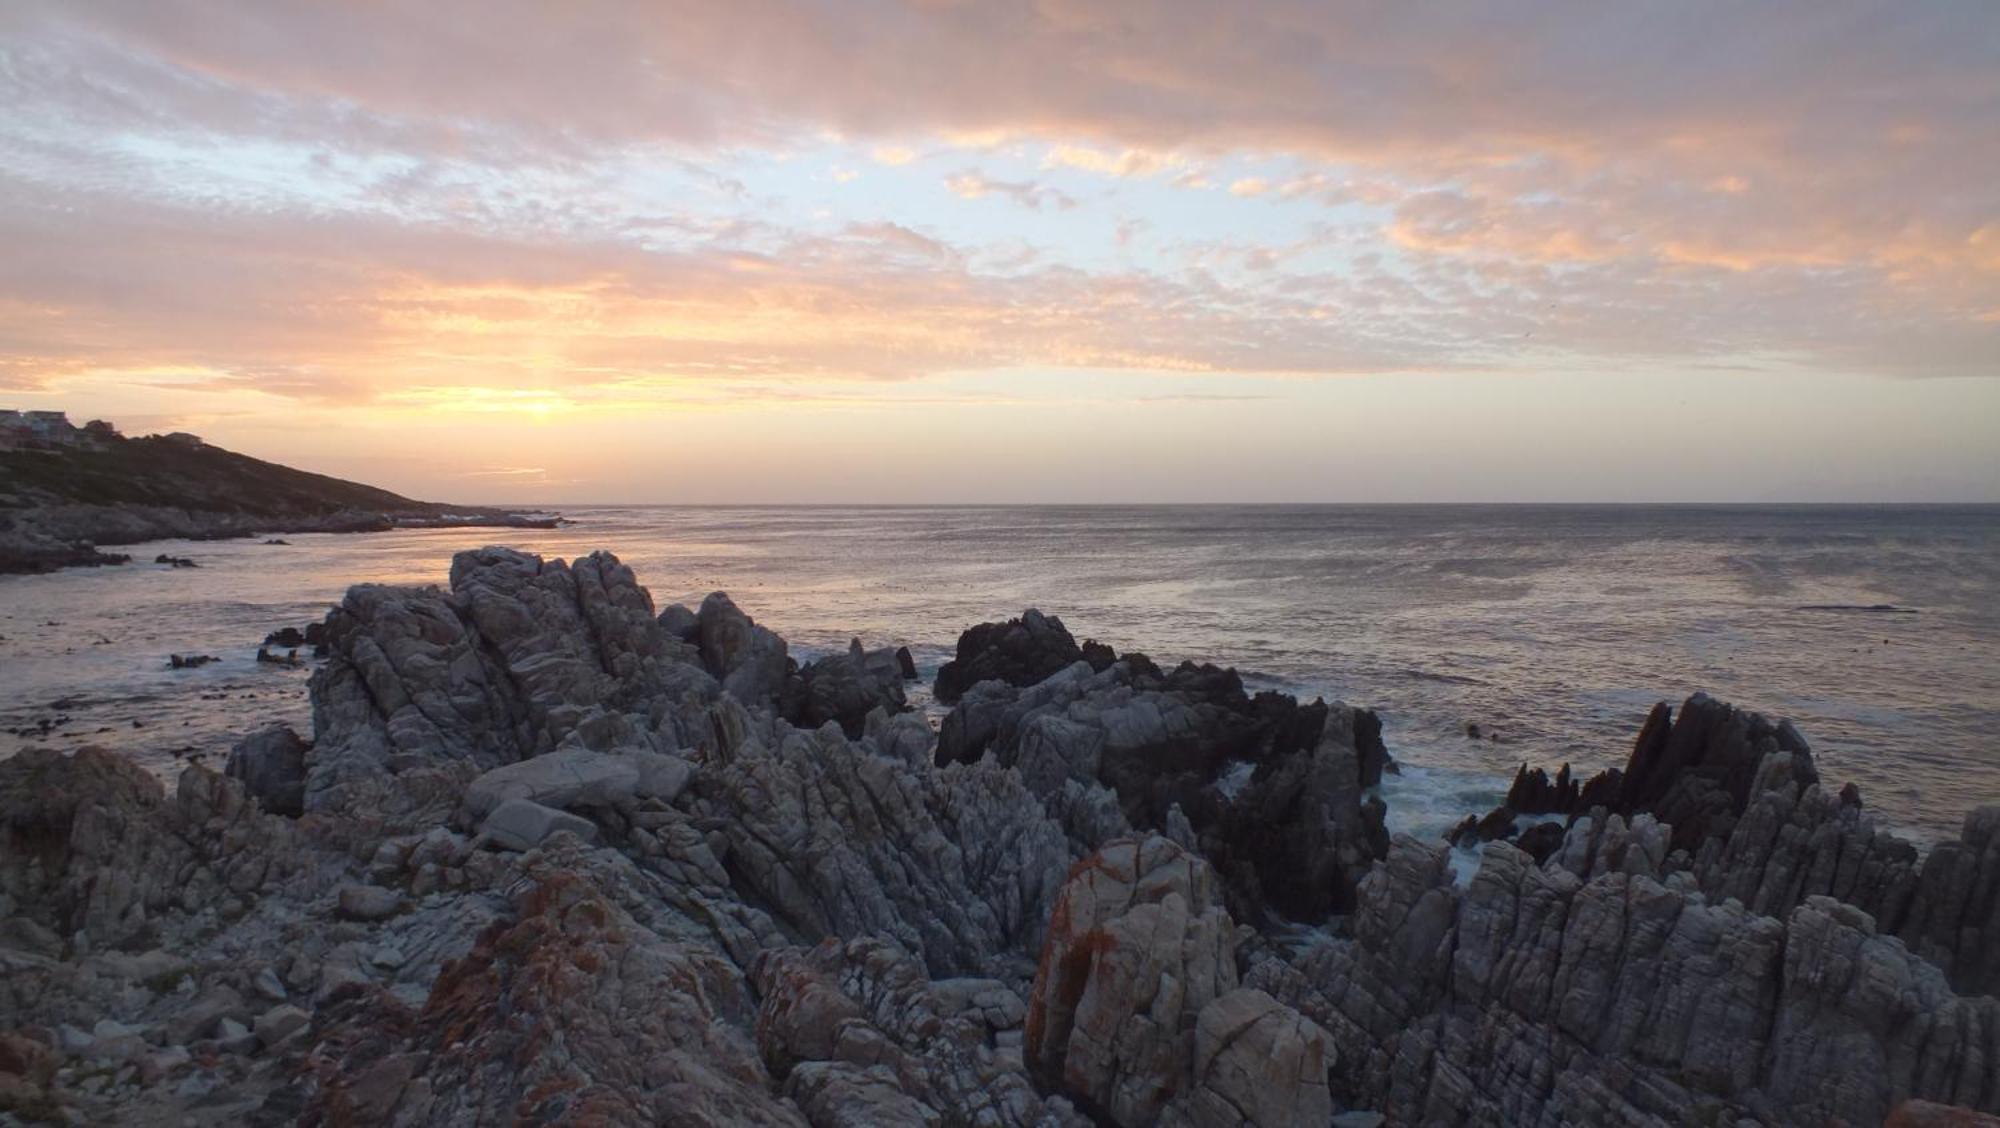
(1271, 789)
(1736, 800)
(552, 857)
(1534, 996)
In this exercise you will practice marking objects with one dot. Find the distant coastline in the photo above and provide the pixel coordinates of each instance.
(67, 492)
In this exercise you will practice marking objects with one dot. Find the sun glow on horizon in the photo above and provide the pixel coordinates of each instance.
(267, 241)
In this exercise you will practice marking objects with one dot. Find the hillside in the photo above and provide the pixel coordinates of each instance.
(61, 500)
(156, 470)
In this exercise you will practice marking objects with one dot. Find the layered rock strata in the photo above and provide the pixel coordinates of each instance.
(552, 856)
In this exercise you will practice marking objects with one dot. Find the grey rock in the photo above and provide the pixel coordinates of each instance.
(1273, 789)
(567, 777)
(200, 1015)
(750, 661)
(518, 824)
(425, 689)
(368, 902)
(1635, 1000)
(72, 1040)
(1256, 1062)
(268, 986)
(1135, 1005)
(661, 776)
(957, 866)
(1018, 652)
(1139, 943)
(232, 1037)
(279, 1023)
(860, 1035)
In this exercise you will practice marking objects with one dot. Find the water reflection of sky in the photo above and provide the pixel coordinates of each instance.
(1586, 617)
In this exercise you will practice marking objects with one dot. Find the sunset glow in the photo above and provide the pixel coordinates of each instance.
(1052, 251)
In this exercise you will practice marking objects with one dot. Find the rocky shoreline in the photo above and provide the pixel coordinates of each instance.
(61, 504)
(50, 538)
(553, 854)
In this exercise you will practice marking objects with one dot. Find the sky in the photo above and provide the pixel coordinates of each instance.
(986, 251)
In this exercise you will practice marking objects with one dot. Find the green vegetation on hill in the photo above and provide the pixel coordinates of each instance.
(167, 472)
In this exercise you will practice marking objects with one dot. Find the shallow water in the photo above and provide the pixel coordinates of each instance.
(1554, 627)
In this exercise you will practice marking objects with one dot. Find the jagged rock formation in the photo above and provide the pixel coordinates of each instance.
(1019, 652)
(1534, 997)
(1137, 1011)
(554, 857)
(59, 500)
(271, 762)
(1750, 819)
(845, 688)
(1272, 790)
(860, 1037)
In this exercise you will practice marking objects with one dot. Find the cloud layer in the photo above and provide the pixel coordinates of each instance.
(458, 205)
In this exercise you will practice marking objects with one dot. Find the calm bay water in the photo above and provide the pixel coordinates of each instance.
(1554, 627)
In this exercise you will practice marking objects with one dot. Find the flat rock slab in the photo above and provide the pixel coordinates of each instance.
(579, 777)
(519, 824)
(369, 902)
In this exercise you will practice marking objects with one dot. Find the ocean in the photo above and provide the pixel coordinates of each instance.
(1551, 628)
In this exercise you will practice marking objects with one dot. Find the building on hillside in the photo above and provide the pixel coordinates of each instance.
(50, 430)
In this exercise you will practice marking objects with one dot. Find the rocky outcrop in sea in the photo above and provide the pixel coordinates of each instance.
(552, 854)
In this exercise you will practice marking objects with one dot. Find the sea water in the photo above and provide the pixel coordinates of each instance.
(1551, 628)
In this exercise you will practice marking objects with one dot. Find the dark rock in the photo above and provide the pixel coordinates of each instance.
(844, 688)
(678, 621)
(1466, 834)
(1019, 652)
(1497, 825)
(291, 638)
(175, 561)
(271, 762)
(1541, 840)
(1272, 788)
(1931, 1114)
(190, 661)
(269, 658)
